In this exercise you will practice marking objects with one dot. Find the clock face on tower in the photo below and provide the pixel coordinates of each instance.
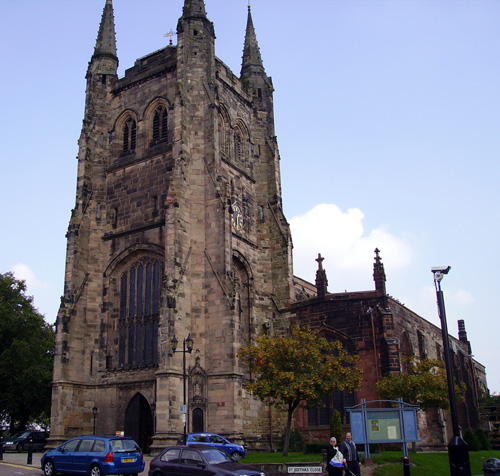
(237, 218)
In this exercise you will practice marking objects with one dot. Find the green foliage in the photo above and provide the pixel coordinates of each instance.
(316, 447)
(296, 441)
(471, 439)
(386, 463)
(26, 344)
(424, 384)
(484, 442)
(336, 426)
(301, 367)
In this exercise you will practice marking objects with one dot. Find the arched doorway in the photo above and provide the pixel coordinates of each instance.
(139, 422)
(198, 420)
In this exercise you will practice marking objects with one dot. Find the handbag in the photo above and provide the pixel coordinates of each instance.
(338, 460)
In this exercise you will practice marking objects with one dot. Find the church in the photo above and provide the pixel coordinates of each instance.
(178, 253)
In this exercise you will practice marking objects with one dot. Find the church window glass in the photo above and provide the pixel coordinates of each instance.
(140, 288)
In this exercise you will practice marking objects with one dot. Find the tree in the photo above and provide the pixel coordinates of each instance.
(301, 367)
(424, 384)
(26, 345)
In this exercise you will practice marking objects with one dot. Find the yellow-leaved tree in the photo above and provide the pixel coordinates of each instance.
(425, 384)
(300, 367)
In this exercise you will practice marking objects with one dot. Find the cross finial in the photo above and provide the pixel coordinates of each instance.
(320, 260)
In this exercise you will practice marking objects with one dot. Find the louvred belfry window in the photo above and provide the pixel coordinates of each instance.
(160, 124)
(138, 323)
(129, 135)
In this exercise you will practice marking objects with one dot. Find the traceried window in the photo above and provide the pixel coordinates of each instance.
(238, 146)
(337, 400)
(160, 123)
(129, 135)
(139, 315)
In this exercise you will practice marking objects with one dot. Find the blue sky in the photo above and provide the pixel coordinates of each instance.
(387, 116)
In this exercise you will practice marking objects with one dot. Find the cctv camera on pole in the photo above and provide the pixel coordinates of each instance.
(458, 450)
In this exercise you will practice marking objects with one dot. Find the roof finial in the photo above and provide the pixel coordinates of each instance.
(321, 280)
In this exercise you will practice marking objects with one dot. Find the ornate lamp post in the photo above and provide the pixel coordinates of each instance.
(187, 347)
(458, 450)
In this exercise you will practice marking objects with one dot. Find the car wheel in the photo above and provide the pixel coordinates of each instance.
(19, 447)
(237, 456)
(48, 468)
(95, 471)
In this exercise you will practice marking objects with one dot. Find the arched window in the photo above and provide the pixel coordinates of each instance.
(139, 315)
(335, 401)
(129, 135)
(238, 146)
(160, 124)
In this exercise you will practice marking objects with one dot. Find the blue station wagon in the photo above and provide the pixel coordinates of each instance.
(95, 456)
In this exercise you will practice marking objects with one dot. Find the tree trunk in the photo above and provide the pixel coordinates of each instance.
(288, 431)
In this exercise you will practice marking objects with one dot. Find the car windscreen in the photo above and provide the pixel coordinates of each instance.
(123, 446)
(215, 456)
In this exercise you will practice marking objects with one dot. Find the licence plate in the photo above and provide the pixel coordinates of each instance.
(128, 460)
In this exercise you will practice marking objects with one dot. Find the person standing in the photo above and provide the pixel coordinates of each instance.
(351, 455)
(334, 459)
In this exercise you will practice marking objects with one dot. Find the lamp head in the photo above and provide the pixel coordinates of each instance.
(189, 343)
(173, 343)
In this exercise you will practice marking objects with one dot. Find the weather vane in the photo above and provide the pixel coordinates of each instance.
(169, 35)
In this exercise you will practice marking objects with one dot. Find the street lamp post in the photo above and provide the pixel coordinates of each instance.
(187, 347)
(458, 450)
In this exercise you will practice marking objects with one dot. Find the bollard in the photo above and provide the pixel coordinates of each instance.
(406, 466)
(1, 448)
(30, 451)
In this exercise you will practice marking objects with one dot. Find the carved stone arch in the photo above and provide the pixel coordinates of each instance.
(198, 378)
(125, 133)
(242, 298)
(331, 333)
(406, 351)
(133, 284)
(156, 121)
(138, 421)
(223, 130)
(241, 142)
(338, 400)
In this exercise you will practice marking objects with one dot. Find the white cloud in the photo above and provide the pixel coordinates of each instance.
(348, 250)
(23, 272)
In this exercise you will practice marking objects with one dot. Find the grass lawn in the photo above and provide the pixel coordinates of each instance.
(388, 463)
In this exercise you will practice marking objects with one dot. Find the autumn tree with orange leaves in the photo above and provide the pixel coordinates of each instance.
(298, 368)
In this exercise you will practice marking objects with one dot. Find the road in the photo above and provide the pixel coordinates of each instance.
(15, 464)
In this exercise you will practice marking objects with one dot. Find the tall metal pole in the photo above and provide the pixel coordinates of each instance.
(184, 416)
(458, 450)
(187, 348)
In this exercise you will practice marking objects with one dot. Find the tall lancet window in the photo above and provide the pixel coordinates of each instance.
(129, 135)
(160, 124)
(139, 315)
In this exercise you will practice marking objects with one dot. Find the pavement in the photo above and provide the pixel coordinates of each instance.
(22, 459)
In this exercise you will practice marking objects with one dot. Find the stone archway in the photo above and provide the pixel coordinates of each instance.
(198, 420)
(139, 422)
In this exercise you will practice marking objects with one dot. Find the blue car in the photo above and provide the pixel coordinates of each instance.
(94, 456)
(235, 451)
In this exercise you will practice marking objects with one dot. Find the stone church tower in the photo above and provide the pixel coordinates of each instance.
(177, 230)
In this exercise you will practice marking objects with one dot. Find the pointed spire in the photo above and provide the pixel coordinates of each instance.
(379, 273)
(106, 38)
(252, 61)
(321, 280)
